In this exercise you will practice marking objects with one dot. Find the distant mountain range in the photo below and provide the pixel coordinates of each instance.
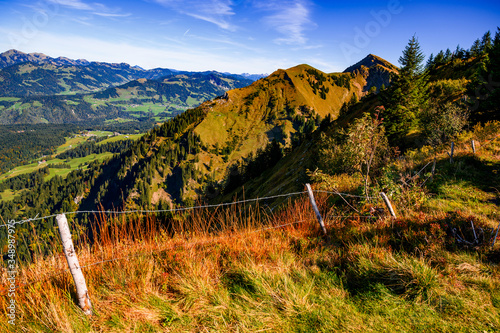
(13, 57)
(35, 88)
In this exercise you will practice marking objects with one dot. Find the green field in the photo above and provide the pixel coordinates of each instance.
(121, 137)
(9, 194)
(75, 163)
(9, 99)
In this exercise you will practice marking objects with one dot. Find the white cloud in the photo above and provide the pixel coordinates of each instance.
(213, 11)
(221, 23)
(96, 8)
(290, 19)
(112, 15)
(75, 4)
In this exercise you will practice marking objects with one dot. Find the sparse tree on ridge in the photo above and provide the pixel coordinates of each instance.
(475, 49)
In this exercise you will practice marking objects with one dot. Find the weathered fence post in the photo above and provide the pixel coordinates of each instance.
(496, 235)
(315, 207)
(473, 144)
(73, 264)
(389, 206)
(433, 169)
(451, 154)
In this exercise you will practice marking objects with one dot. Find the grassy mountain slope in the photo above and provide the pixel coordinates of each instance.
(447, 83)
(268, 109)
(278, 107)
(227, 269)
(263, 267)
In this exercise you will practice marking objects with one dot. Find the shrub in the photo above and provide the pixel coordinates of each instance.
(362, 148)
(442, 123)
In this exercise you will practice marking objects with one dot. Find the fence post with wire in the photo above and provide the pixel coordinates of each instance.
(74, 265)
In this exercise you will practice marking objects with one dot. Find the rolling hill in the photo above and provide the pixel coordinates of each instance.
(197, 148)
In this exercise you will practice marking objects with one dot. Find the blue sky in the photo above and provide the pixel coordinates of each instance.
(253, 36)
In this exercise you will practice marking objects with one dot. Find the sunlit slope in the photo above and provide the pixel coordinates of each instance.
(253, 114)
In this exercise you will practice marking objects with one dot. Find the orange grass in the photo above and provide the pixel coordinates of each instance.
(239, 268)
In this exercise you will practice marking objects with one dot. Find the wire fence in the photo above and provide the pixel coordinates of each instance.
(329, 217)
(149, 253)
(180, 209)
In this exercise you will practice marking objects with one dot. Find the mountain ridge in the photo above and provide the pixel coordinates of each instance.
(13, 57)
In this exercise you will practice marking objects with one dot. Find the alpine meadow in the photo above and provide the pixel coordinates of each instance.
(305, 200)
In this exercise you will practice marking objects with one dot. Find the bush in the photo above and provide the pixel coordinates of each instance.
(362, 148)
(442, 123)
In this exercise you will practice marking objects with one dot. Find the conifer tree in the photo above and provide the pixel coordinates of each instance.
(485, 87)
(430, 62)
(475, 49)
(486, 43)
(439, 59)
(447, 55)
(408, 96)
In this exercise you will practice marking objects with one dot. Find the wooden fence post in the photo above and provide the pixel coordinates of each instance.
(496, 235)
(74, 265)
(433, 171)
(313, 203)
(389, 206)
(451, 154)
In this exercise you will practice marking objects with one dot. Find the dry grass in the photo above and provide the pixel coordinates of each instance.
(218, 270)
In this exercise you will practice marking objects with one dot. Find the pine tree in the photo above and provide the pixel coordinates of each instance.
(486, 43)
(430, 62)
(439, 59)
(459, 53)
(475, 49)
(485, 87)
(408, 96)
(447, 55)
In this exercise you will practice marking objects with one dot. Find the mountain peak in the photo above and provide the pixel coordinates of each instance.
(12, 57)
(369, 61)
(12, 52)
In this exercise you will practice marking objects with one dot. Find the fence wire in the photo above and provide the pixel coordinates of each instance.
(145, 211)
(180, 209)
(150, 253)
